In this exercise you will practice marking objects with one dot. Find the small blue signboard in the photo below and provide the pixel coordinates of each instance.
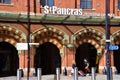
(113, 47)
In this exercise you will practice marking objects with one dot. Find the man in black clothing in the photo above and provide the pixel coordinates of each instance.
(86, 63)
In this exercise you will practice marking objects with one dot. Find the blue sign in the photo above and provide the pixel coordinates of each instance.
(113, 47)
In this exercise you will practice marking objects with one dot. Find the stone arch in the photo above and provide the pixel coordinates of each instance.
(11, 34)
(90, 35)
(50, 34)
(115, 37)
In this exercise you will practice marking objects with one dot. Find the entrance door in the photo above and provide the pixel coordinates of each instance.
(9, 62)
(88, 51)
(48, 58)
(117, 59)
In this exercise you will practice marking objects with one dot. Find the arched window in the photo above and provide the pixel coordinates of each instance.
(86, 4)
(47, 2)
(5, 1)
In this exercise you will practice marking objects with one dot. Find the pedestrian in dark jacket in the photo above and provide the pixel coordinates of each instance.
(86, 63)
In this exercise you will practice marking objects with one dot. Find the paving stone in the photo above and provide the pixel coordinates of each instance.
(62, 77)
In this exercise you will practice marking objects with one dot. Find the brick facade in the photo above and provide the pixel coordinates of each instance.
(66, 32)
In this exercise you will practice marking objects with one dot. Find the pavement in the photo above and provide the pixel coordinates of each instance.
(62, 77)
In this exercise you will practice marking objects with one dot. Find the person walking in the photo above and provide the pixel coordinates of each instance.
(86, 67)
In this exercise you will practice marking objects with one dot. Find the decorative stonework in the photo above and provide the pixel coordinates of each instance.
(11, 34)
(116, 37)
(50, 34)
(90, 35)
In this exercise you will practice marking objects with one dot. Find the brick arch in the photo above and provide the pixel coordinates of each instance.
(116, 37)
(11, 34)
(50, 34)
(90, 35)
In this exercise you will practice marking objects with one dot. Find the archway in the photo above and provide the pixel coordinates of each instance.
(88, 51)
(48, 58)
(9, 61)
(117, 59)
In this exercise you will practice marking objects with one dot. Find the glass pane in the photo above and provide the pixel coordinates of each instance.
(89, 5)
(43, 2)
(7, 1)
(86, 4)
(118, 4)
(82, 0)
(82, 5)
(50, 3)
(89, 0)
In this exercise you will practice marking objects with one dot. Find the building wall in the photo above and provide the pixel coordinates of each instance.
(65, 32)
(20, 6)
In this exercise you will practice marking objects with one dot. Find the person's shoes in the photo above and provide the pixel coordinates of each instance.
(88, 74)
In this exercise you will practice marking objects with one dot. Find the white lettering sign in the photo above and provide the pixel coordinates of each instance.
(62, 11)
(24, 46)
(71, 11)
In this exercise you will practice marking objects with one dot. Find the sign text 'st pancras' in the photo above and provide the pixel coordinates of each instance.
(62, 11)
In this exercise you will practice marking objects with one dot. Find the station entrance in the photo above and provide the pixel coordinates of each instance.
(9, 61)
(117, 59)
(47, 58)
(86, 51)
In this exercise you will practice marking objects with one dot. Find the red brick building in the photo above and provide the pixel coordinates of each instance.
(65, 31)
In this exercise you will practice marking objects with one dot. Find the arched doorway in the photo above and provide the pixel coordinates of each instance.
(117, 59)
(9, 61)
(48, 58)
(88, 51)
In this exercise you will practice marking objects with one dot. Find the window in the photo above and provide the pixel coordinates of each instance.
(118, 4)
(5, 1)
(86, 4)
(47, 2)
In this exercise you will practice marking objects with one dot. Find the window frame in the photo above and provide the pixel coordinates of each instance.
(47, 2)
(5, 1)
(119, 4)
(86, 4)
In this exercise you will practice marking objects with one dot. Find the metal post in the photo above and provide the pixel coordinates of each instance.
(111, 74)
(75, 73)
(28, 38)
(58, 73)
(39, 73)
(93, 77)
(107, 40)
(55, 78)
(19, 74)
